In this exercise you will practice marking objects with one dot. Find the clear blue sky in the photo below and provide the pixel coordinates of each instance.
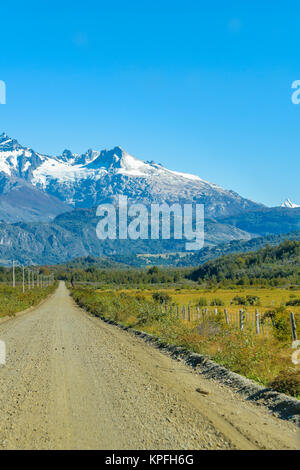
(202, 87)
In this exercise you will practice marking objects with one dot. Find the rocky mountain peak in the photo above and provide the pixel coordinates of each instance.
(8, 144)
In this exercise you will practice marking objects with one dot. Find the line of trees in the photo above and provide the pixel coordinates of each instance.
(269, 266)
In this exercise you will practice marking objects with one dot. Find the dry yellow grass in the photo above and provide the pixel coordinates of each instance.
(269, 297)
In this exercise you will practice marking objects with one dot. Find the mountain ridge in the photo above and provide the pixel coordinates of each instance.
(73, 234)
(95, 177)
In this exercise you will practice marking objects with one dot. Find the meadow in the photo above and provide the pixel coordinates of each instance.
(269, 297)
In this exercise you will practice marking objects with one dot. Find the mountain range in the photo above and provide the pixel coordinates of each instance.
(86, 180)
(48, 204)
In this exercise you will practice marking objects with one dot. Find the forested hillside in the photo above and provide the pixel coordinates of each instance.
(275, 266)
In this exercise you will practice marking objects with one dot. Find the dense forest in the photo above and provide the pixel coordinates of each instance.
(118, 277)
(235, 246)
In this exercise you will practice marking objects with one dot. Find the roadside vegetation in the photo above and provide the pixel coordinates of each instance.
(265, 360)
(13, 300)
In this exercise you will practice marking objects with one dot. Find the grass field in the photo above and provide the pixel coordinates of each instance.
(269, 297)
(221, 299)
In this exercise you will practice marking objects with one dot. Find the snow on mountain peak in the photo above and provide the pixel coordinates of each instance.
(84, 180)
(6, 143)
(288, 203)
(117, 161)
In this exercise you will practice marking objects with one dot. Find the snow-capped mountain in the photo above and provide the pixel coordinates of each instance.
(99, 176)
(289, 204)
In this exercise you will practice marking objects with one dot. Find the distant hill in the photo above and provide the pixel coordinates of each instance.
(266, 221)
(274, 265)
(236, 246)
(73, 234)
(94, 262)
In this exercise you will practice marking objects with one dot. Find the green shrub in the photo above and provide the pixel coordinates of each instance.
(252, 300)
(202, 302)
(217, 302)
(293, 303)
(248, 300)
(238, 300)
(161, 298)
(280, 322)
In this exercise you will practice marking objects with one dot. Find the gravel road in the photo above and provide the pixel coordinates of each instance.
(72, 381)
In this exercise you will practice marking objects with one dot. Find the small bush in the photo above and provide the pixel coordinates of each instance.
(237, 300)
(161, 298)
(216, 302)
(251, 300)
(293, 303)
(280, 323)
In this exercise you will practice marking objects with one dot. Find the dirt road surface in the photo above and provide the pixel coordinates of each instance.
(74, 382)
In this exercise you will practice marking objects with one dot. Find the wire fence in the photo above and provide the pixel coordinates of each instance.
(255, 321)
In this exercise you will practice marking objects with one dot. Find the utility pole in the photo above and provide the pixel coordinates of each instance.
(28, 278)
(23, 272)
(14, 279)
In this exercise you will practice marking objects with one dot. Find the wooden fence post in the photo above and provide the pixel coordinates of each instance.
(198, 312)
(189, 311)
(257, 322)
(226, 316)
(183, 312)
(242, 319)
(293, 326)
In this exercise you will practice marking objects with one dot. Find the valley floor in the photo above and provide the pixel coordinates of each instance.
(74, 382)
